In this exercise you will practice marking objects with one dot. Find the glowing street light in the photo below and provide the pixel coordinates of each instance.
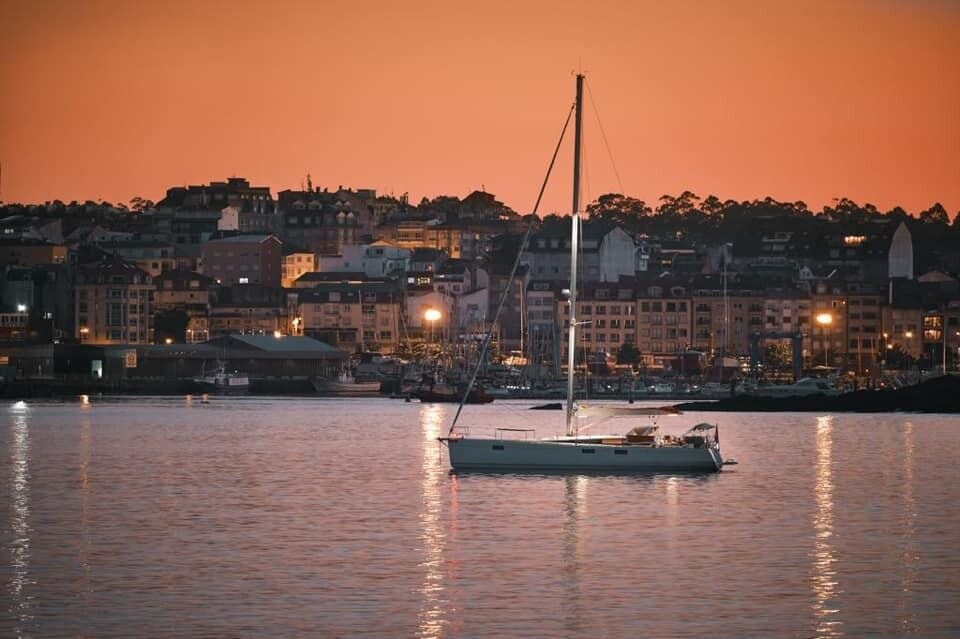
(825, 320)
(432, 316)
(168, 341)
(21, 308)
(277, 334)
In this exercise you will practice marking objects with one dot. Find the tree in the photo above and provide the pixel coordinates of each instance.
(936, 214)
(683, 204)
(712, 205)
(628, 354)
(897, 213)
(622, 210)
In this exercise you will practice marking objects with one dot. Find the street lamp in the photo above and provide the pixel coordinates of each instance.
(825, 320)
(21, 308)
(432, 316)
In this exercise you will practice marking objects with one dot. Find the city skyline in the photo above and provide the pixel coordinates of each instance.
(812, 102)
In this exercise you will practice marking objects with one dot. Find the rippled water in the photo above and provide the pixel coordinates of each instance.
(261, 517)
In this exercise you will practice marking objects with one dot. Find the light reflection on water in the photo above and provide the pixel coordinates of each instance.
(85, 541)
(574, 511)
(21, 603)
(431, 618)
(909, 555)
(254, 517)
(824, 582)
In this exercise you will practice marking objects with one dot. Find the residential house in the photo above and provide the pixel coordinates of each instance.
(31, 252)
(295, 264)
(151, 256)
(322, 222)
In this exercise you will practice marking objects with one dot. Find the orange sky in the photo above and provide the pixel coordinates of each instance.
(803, 100)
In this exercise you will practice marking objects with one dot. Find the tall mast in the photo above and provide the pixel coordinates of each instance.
(574, 249)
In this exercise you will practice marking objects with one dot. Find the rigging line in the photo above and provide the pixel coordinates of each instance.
(603, 134)
(513, 271)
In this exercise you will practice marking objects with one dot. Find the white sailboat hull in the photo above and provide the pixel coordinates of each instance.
(526, 455)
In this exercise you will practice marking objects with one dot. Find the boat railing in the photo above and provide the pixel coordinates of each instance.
(527, 432)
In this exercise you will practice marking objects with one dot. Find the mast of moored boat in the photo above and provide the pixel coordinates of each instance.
(574, 245)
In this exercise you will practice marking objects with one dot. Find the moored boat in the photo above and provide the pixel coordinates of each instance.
(223, 382)
(451, 396)
(642, 448)
(801, 388)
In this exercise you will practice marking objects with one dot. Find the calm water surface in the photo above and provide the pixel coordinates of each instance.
(262, 517)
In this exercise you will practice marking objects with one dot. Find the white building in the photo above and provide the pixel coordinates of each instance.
(376, 260)
(900, 257)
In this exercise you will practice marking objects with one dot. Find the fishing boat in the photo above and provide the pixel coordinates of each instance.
(345, 386)
(641, 448)
(223, 382)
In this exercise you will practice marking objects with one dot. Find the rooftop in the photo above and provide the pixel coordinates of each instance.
(243, 239)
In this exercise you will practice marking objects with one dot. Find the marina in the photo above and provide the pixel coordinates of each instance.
(543, 320)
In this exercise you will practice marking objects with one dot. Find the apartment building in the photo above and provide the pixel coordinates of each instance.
(723, 324)
(664, 318)
(353, 316)
(114, 303)
(243, 259)
(606, 317)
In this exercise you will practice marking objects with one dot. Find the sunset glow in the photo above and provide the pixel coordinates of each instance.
(800, 101)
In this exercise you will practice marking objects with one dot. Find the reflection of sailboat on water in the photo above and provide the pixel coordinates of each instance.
(641, 449)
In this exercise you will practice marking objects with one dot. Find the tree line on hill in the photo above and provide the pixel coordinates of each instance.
(687, 216)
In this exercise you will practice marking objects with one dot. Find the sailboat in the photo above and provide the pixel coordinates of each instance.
(642, 448)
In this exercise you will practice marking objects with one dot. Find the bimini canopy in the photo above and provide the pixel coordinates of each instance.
(702, 427)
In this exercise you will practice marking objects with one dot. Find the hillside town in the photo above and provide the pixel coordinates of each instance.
(308, 284)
